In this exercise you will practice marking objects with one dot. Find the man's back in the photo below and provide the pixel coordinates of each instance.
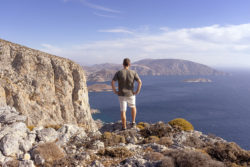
(126, 78)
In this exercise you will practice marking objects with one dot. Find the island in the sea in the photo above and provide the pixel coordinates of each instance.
(195, 80)
(99, 88)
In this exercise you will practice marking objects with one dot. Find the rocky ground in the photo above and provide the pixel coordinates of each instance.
(160, 144)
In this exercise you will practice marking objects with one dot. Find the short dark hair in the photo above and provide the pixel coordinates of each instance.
(126, 62)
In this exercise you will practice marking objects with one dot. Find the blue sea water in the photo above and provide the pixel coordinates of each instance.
(221, 108)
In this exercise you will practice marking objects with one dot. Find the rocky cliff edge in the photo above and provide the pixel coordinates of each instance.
(49, 90)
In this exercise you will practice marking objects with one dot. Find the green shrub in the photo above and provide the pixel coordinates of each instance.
(142, 125)
(181, 123)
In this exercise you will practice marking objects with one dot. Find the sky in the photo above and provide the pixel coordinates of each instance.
(211, 32)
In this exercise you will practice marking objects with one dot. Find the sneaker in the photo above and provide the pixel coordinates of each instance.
(133, 125)
(124, 128)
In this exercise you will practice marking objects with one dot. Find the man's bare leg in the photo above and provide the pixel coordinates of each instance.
(123, 118)
(133, 113)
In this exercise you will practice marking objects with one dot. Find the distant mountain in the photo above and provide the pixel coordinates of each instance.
(105, 72)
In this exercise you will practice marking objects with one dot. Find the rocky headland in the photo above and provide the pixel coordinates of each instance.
(45, 121)
(195, 80)
(151, 67)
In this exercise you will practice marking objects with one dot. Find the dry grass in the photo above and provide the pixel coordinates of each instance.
(148, 150)
(111, 139)
(31, 127)
(56, 127)
(154, 156)
(166, 141)
(13, 163)
(119, 152)
(229, 152)
(152, 139)
(184, 158)
(49, 151)
(167, 162)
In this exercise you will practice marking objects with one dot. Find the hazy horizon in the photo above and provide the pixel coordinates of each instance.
(210, 32)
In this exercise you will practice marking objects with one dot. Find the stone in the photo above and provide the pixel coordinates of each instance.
(97, 145)
(96, 163)
(47, 135)
(26, 144)
(9, 144)
(67, 131)
(83, 156)
(133, 147)
(26, 156)
(134, 162)
(155, 147)
(26, 163)
(48, 89)
(17, 128)
(38, 159)
(6, 160)
(2, 157)
(8, 115)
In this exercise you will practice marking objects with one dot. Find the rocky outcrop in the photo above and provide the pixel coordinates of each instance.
(49, 90)
(20, 143)
(147, 145)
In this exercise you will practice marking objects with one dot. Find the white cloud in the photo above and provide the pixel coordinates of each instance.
(212, 45)
(96, 7)
(99, 7)
(103, 15)
(117, 30)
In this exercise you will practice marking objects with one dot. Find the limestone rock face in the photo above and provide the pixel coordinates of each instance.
(2, 97)
(49, 90)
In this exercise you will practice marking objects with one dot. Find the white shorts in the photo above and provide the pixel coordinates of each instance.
(124, 100)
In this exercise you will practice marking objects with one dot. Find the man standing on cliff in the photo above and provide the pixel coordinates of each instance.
(126, 93)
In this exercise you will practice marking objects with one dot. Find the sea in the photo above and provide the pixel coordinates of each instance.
(220, 108)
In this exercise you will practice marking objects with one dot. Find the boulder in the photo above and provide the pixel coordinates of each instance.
(47, 135)
(67, 131)
(26, 163)
(9, 144)
(46, 88)
(18, 128)
(9, 115)
(27, 143)
(97, 145)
